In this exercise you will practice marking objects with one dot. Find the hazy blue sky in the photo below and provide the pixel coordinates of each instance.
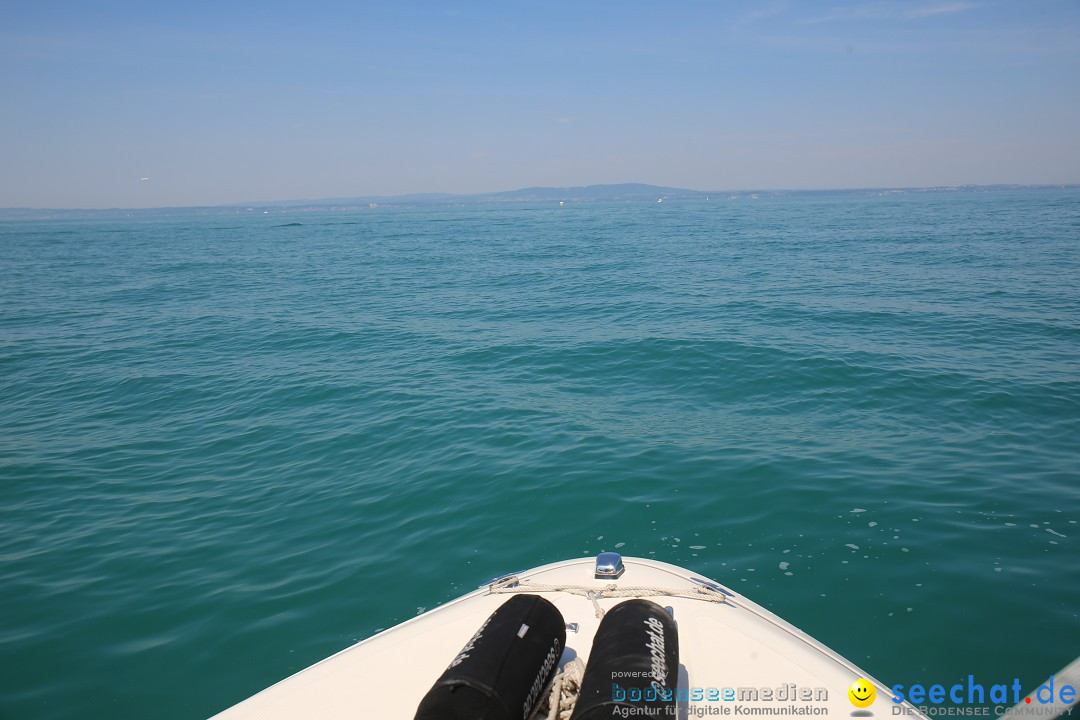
(229, 102)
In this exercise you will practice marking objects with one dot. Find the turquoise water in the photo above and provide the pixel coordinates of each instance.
(231, 446)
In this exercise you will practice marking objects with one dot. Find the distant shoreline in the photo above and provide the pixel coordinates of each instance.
(627, 192)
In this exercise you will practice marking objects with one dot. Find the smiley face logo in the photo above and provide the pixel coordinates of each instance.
(861, 693)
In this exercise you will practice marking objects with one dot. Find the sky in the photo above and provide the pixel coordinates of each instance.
(145, 104)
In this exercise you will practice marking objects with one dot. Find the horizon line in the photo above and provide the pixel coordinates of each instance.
(437, 197)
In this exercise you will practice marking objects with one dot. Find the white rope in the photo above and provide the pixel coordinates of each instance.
(513, 584)
(559, 703)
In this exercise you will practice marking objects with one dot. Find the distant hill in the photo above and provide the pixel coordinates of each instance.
(620, 192)
(588, 193)
(592, 193)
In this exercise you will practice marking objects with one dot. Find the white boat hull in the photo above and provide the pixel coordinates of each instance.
(734, 655)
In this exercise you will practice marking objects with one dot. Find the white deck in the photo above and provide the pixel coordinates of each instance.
(735, 644)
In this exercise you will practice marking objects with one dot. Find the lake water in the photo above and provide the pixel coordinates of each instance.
(233, 445)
